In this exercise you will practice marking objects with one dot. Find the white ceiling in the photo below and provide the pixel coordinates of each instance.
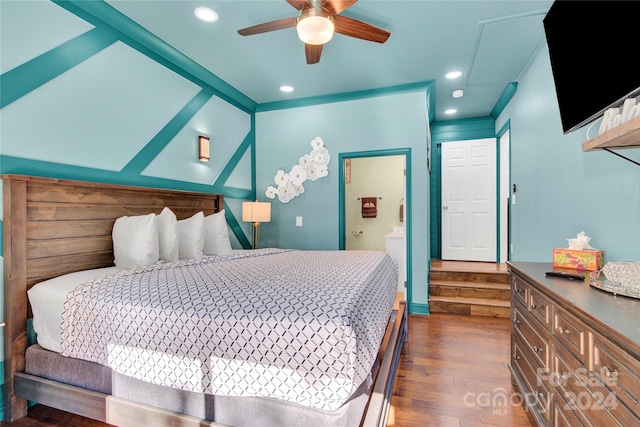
(491, 42)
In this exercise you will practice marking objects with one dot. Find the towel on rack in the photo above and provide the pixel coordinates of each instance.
(369, 207)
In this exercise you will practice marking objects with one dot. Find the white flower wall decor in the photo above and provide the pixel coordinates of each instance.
(310, 167)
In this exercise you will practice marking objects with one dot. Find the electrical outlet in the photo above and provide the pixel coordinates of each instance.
(298, 221)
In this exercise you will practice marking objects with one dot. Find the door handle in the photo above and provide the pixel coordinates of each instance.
(445, 207)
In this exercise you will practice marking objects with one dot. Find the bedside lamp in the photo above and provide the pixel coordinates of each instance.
(256, 212)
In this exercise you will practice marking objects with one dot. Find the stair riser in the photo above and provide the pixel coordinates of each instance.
(453, 291)
(469, 309)
(469, 277)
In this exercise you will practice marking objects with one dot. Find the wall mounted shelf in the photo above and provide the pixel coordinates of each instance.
(626, 135)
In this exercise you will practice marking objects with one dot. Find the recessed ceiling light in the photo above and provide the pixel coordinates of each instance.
(453, 74)
(458, 93)
(206, 14)
(286, 88)
(450, 111)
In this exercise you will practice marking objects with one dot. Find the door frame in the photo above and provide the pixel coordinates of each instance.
(406, 152)
(506, 128)
(436, 218)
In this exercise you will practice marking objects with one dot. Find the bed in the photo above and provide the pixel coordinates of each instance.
(56, 227)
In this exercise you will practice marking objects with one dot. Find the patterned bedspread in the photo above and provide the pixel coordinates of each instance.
(301, 326)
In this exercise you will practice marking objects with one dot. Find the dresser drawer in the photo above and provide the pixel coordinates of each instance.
(617, 372)
(519, 290)
(572, 380)
(537, 345)
(561, 416)
(540, 308)
(571, 332)
(536, 394)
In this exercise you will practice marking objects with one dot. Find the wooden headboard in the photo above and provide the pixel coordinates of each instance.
(52, 227)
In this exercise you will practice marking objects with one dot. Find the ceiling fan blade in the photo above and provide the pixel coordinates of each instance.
(313, 52)
(334, 7)
(301, 4)
(360, 30)
(269, 26)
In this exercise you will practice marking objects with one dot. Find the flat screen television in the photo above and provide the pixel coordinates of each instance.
(593, 47)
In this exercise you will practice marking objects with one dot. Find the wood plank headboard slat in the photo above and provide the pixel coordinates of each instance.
(47, 268)
(69, 246)
(54, 226)
(51, 212)
(39, 230)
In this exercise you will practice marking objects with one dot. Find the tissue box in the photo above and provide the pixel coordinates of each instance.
(586, 259)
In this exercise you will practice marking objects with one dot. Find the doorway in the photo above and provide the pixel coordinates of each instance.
(469, 200)
(502, 193)
(374, 203)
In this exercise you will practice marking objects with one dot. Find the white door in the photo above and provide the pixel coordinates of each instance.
(469, 200)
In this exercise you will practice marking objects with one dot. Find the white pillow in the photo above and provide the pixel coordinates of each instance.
(135, 241)
(168, 235)
(216, 235)
(191, 237)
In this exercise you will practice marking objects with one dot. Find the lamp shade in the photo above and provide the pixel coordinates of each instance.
(256, 211)
(315, 29)
(203, 148)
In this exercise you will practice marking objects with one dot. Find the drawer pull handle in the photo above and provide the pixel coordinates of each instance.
(516, 321)
(536, 306)
(610, 373)
(538, 349)
(516, 357)
(560, 330)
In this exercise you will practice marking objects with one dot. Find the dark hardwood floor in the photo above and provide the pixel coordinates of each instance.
(453, 373)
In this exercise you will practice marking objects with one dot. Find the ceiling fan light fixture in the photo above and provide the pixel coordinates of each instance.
(315, 30)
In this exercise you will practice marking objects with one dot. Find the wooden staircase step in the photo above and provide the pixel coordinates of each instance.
(472, 266)
(463, 284)
(473, 288)
(467, 276)
(468, 271)
(476, 301)
(470, 306)
(483, 290)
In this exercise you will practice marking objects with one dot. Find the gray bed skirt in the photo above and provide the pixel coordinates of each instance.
(226, 410)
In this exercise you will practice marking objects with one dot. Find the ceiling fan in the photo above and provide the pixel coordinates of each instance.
(316, 23)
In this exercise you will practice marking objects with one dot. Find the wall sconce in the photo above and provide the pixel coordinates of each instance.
(203, 148)
(256, 212)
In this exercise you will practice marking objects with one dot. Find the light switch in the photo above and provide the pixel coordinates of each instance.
(298, 221)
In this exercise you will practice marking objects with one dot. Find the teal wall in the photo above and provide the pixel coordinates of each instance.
(561, 190)
(371, 124)
(93, 96)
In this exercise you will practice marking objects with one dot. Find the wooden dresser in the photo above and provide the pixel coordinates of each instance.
(575, 350)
